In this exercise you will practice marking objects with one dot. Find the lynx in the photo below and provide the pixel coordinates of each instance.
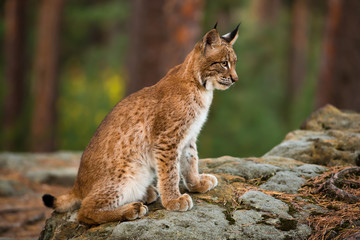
(150, 133)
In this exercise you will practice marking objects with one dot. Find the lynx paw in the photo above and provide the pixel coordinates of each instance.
(136, 210)
(151, 195)
(207, 182)
(183, 203)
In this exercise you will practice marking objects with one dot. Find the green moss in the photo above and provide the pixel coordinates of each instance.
(229, 209)
(216, 164)
(292, 210)
(287, 224)
(333, 207)
(98, 235)
(341, 227)
(229, 218)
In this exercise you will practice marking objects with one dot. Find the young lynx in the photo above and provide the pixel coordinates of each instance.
(152, 132)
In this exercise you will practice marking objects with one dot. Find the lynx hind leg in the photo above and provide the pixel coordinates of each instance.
(151, 195)
(113, 204)
(130, 211)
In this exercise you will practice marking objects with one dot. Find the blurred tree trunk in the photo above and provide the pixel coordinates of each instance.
(14, 70)
(298, 47)
(46, 76)
(266, 11)
(339, 81)
(162, 34)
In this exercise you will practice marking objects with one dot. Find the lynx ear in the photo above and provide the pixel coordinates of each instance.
(231, 36)
(215, 25)
(211, 39)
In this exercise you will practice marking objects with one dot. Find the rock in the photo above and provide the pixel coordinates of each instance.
(245, 168)
(256, 231)
(329, 117)
(203, 222)
(295, 149)
(61, 176)
(26, 162)
(328, 148)
(12, 188)
(62, 226)
(309, 170)
(236, 208)
(250, 224)
(263, 231)
(261, 201)
(282, 162)
(246, 217)
(272, 221)
(58, 168)
(329, 137)
(285, 181)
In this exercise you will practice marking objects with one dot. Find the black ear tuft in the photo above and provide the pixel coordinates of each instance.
(48, 200)
(215, 25)
(231, 36)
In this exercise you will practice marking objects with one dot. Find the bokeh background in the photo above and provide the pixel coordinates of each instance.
(65, 64)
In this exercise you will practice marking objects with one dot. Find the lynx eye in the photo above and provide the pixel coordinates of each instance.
(224, 63)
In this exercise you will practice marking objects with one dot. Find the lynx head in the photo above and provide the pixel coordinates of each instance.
(217, 59)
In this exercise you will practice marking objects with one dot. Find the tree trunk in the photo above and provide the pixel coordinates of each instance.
(183, 30)
(265, 11)
(46, 76)
(163, 33)
(14, 70)
(298, 47)
(339, 81)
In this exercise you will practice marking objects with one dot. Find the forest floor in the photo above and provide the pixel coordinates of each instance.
(341, 218)
(24, 217)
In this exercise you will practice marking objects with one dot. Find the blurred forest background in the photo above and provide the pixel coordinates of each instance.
(67, 63)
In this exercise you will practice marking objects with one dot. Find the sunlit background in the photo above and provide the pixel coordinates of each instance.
(67, 63)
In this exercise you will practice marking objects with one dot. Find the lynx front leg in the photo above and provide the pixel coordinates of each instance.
(168, 180)
(194, 181)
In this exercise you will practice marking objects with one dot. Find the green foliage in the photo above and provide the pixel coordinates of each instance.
(92, 80)
(251, 117)
(246, 120)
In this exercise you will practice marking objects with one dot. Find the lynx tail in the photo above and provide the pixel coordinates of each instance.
(48, 200)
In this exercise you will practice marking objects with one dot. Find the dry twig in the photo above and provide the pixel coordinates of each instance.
(333, 184)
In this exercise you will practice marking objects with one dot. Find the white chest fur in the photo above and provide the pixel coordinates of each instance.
(200, 118)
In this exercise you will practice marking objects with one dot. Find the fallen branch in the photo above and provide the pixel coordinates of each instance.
(337, 180)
